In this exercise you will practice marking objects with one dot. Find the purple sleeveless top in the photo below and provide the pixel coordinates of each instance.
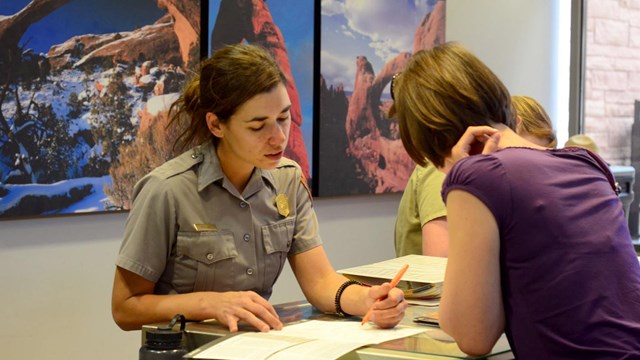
(569, 274)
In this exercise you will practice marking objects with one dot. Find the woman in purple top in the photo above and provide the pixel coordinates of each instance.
(539, 246)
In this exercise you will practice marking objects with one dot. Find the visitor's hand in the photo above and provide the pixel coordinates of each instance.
(475, 140)
(231, 307)
(388, 305)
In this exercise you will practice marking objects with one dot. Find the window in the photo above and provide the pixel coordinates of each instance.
(611, 70)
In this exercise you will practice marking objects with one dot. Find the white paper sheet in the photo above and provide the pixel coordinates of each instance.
(312, 339)
(249, 346)
(422, 269)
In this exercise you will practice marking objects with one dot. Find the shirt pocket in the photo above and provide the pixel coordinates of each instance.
(197, 258)
(277, 238)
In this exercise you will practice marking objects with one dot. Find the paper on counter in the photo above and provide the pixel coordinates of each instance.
(422, 269)
(312, 339)
(248, 346)
(351, 330)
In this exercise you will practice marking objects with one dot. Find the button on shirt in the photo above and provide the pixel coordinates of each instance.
(245, 242)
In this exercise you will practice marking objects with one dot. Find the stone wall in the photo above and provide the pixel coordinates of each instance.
(612, 82)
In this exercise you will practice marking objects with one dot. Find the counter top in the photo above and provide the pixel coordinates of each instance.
(433, 343)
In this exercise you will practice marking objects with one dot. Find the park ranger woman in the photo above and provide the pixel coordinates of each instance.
(209, 231)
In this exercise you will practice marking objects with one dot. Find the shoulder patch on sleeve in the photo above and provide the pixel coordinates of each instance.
(285, 162)
(303, 181)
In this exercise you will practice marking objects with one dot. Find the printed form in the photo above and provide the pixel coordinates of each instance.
(422, 269)
(422, 283)
(312, 339)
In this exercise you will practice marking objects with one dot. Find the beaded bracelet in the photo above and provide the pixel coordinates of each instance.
(341, 289)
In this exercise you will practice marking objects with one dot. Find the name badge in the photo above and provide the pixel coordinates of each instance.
(205, 227)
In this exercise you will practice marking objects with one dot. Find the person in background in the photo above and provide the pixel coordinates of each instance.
(533, 122)
(583, 141)
(210, 230)
(421, 223)
(538, 244)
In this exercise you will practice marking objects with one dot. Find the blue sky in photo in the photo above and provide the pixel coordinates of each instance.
(295, 20)
(377, 29)
(294, 17)
(79, 17)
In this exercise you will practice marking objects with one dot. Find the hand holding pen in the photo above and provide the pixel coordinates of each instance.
(392, 285)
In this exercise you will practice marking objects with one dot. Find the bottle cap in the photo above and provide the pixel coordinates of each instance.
(164, 337)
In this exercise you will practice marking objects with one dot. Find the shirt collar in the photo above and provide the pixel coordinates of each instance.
(210, 170)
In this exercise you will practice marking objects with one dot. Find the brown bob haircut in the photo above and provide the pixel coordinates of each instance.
(441, 92)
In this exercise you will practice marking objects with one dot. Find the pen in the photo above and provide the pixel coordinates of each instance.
(419, 289)
(393, 284)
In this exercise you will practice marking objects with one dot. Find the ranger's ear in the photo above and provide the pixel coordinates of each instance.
(214, 125)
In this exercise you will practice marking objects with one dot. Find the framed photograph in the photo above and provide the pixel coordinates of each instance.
(286, 28)
(363, 44)
(84, 92)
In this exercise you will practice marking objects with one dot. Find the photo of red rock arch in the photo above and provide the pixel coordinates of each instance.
(286, 29)
(362, 47)
(84, 93)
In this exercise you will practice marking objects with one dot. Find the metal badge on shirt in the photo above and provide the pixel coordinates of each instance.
(205, 227)
(282, 203)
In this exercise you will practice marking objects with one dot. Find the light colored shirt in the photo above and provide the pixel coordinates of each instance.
(421, 202)
(242, 240)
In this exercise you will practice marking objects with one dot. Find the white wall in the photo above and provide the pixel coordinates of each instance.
(519, 41)
(494, 30)
(57, 272)
(56, 283)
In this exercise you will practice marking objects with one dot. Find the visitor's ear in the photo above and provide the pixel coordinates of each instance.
(213, 123)
(518, 124)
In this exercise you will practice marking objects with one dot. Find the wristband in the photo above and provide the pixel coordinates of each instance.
(341, 289)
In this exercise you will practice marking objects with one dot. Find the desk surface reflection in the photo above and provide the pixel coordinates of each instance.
(431, 344)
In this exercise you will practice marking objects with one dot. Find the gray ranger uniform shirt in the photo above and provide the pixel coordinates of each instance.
(190, 230)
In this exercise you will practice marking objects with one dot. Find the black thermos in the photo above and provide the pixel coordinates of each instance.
(164, 343)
